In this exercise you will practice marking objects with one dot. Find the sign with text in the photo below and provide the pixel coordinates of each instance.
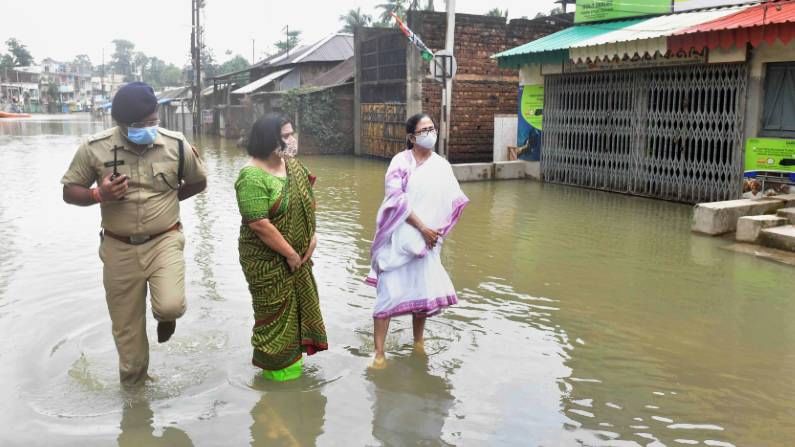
(600, 10)
(689, 5)
(770, 155)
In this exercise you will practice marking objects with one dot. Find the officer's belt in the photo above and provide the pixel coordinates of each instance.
(139, 239)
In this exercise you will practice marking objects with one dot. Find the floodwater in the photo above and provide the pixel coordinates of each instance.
(586, 318)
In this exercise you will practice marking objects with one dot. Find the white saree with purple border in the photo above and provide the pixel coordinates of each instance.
(408, 276)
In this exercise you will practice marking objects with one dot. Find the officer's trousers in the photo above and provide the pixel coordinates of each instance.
(128, 270)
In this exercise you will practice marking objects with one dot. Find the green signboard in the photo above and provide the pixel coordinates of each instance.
(770, 155)
(532, 105)
(599, 10)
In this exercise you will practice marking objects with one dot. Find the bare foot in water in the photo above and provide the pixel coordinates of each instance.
(379, 362)
(419, 347)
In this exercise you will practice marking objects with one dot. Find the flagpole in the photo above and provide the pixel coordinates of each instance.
(447, 87)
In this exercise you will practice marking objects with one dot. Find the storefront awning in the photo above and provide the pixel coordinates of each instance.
(753, 25)
(554, 48)
(647, 37)
(724, 27)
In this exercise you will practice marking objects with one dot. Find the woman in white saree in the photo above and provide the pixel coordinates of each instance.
(422, 204)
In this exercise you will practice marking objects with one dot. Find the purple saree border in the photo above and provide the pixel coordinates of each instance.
(429, 307)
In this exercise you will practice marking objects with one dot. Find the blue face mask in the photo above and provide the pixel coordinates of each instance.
(143, 136)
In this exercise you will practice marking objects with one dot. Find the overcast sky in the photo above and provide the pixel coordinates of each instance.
(64, 29)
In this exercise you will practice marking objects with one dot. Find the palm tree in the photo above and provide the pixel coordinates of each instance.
(496, 12)
(355, 18)
(396, 6)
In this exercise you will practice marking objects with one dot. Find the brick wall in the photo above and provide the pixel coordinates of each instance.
(480, 89)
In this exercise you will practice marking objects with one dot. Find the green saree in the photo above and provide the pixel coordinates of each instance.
(287, 318)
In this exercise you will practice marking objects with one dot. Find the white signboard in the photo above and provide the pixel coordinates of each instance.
(438, 65)
(688, 5)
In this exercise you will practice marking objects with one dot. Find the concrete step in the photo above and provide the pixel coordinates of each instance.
(721, 217)
(782, 238)
(749, 227)
(787, 213)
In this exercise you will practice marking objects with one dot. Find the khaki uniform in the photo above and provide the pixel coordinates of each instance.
(150, 206)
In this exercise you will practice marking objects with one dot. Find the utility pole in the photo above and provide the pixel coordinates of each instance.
(253, 61)
(199, 65)
(196, 46)
(447, 87)
(287, 38)
(102, 79)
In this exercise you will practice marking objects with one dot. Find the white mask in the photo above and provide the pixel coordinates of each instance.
(426, 141)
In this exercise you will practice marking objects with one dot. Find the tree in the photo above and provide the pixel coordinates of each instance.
(355, 18)
(429, 6)
(209, 66)
(140, 60)
(20, 55)
(53, 92)
(172, 75)
(554, 11)
(293, 38)
(6, 61)
(160, 75)
(83, 64)
(122, 59)
(237, 63)
(497, 12)
(396, 6)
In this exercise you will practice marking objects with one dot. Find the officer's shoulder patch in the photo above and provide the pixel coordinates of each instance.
(100, 136)
(171, 134)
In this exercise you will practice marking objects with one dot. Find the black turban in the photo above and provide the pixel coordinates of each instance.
(133, 102)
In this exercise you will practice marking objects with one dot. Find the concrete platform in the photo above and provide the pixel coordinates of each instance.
(501, 170)
(782, 238)
(472, 172)
(787, 213)
(749, 227)
(718, 218)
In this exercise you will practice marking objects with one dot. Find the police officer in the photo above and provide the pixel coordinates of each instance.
(141, 173)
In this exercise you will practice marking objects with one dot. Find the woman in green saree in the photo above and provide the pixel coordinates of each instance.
(277, 239)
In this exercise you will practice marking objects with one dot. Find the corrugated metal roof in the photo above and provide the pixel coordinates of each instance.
(649, 36)
(175, 93)
(767, 22)
(759, 15)
(555, 47)
(261, 82)
(340, 74)
(336, 47)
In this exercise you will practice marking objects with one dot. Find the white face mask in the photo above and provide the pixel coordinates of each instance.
(426, 141)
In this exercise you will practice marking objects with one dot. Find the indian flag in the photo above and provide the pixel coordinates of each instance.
(426, 53)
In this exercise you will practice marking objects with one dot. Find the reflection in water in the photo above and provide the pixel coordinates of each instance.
(585, 319)
(137, 428)
(410, 405)
(289, 414)
(205, 252)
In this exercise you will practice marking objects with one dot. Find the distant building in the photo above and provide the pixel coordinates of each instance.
(19, 89)
(103, 88)
(238, 98)
(65, 84)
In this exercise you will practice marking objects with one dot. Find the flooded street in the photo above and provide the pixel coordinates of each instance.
(586, 318)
